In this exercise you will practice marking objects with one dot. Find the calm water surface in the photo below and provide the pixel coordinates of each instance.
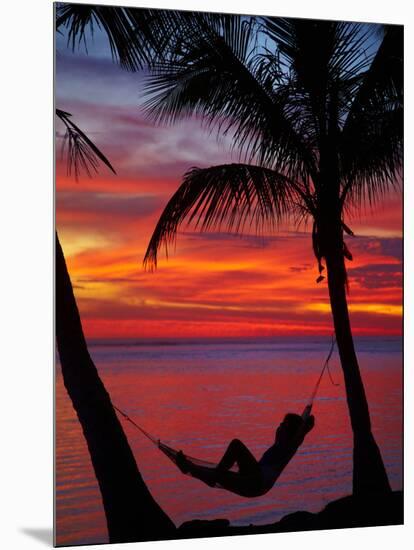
(198, 395)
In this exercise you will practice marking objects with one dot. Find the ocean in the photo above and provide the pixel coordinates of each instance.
(197, 395)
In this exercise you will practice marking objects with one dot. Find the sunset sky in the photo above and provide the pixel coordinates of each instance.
(212, 284)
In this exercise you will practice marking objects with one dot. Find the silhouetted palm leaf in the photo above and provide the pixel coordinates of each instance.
(377, 157)
(371, 145)
(229, 194)
(216, 75)
(82, 153)
(323, 60)
(136, 36)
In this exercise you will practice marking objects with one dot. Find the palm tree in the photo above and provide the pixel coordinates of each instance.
(315, 111)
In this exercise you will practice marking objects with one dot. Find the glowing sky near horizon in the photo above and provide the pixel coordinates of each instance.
(213, 284)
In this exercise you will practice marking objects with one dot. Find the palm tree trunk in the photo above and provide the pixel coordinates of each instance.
(131, 512)
(369, 473)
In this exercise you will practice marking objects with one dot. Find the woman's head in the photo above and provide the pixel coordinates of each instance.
(288, 427)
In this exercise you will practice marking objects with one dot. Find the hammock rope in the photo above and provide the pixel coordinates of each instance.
(325, 367)
(172, 453)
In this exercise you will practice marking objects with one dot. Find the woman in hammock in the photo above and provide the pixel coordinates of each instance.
(253, 478)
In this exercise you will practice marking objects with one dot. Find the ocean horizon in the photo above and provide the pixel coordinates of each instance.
(208, 340)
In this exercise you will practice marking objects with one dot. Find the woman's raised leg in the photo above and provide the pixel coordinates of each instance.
(238, 453)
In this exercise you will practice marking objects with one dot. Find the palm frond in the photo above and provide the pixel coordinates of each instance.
(374, 166)
(320, 52)
(232, 195)
(383, 80)
(136, 36)
(216, 76)
(321, 58)
(371, 145)
(82, 153)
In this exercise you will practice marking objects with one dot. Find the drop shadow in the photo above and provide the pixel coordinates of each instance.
(44, 535)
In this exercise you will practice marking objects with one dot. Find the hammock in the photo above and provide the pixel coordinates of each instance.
(210, 467)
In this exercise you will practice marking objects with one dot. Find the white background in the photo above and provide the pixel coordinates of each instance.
(26, 273)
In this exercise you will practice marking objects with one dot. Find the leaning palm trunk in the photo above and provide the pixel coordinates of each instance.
(369, 473)
(131, 512)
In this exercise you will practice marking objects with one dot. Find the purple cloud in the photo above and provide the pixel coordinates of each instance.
(374, 276)
(125, 205)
